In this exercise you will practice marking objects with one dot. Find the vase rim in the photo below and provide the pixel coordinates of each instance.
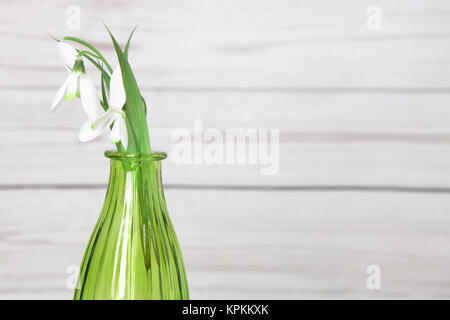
(154, 156)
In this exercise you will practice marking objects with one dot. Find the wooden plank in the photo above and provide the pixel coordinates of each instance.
(369, 139)
(240, 44)
(241, 245)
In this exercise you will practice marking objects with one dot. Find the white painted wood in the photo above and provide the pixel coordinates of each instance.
(240, 44)
(369, 139)
(299, 66)
(244, 245)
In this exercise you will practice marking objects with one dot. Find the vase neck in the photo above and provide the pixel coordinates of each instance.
(136, 178)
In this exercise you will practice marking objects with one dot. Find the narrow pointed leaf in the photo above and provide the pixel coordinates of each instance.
(145, 105)
(138, 140)
(104, 96)
(125, 52)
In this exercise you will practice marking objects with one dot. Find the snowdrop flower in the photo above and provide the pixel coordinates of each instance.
(114, 115)
(78, 84)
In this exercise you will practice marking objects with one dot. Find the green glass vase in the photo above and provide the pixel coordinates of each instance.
(133, 252)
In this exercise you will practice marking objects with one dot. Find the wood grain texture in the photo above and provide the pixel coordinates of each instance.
(243, 245)
(358, 110)
(344, 139)
(241, 44)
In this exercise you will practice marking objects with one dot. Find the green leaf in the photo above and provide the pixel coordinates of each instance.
(99, 67)
(85, 52)
(128, 42)
(138, 140)
(104, 96)
(145, 105)
(90, 46)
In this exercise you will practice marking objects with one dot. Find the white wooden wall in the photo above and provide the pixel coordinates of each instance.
(364, 144)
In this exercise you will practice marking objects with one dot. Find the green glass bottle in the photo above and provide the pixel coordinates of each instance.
(133, 252)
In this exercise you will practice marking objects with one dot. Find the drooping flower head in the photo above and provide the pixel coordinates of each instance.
(77, 84)
(119, 107)
(114, 115)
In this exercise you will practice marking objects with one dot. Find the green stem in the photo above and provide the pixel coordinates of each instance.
(99, 67)
(139, 140)
(90, 46)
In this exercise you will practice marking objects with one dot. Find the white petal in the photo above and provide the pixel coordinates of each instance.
(67, 54)
(89, 98)
(88, 133)
(116, 130)
(123, 133)
(72, 87)
(117, 96)
(59, 97)
(104, 121)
